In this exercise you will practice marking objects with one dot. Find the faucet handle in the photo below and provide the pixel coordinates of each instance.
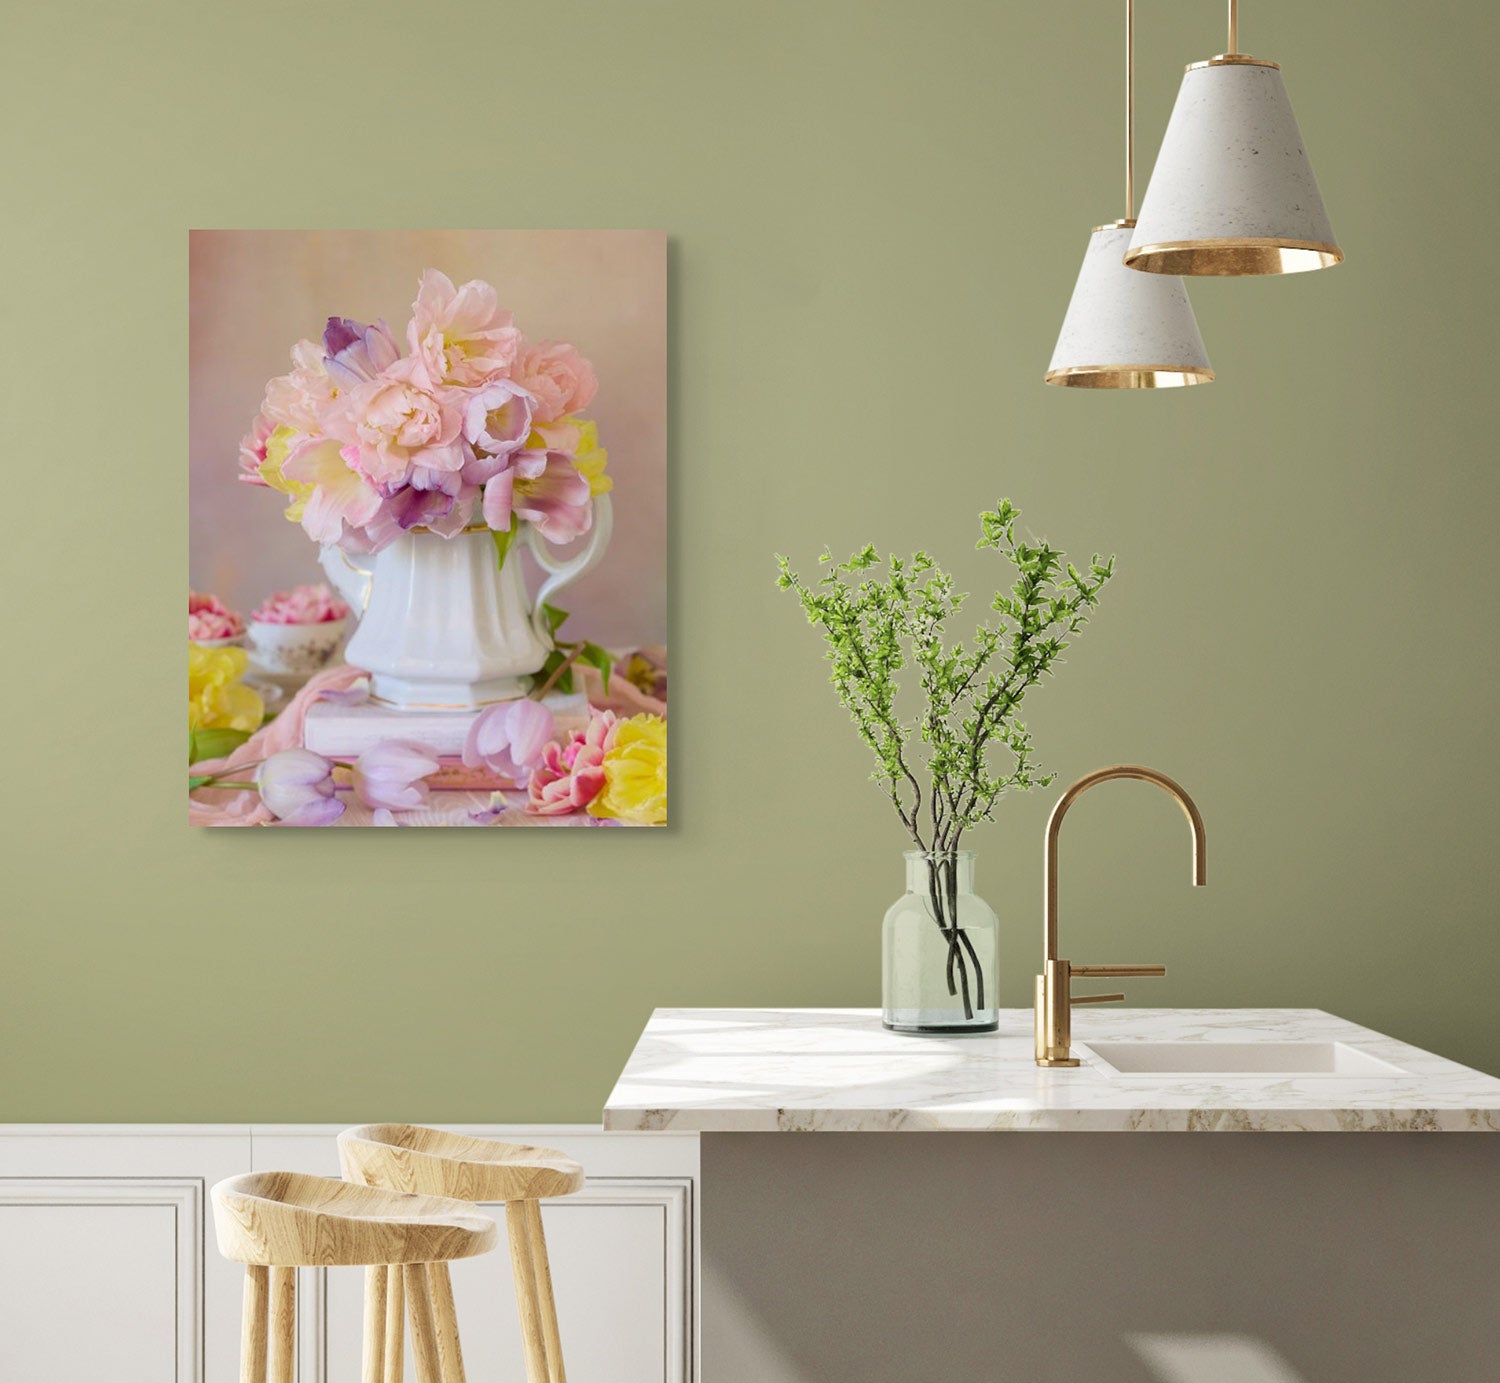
(1117, 971)
(1095, 998)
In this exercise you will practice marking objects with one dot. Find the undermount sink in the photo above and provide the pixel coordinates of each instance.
(1238, 1059)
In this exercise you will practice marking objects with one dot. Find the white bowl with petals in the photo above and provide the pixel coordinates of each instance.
(291, 653)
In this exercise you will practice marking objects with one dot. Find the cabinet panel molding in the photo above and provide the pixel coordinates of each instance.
(62, 1241)
(624, 1252)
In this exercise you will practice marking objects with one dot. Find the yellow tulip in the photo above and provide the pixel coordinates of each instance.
(591, 458)
(579, 437)
(278, 444)
(635, 773)
(217, 699)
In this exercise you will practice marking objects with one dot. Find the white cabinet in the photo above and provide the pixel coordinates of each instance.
(108, 1268)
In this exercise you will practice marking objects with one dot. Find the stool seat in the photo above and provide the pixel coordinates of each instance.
(434, 1162)
(409, 1157)
(292, 1220)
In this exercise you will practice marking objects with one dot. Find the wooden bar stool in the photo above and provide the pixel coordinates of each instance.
(277, 1222)
(428, 1161)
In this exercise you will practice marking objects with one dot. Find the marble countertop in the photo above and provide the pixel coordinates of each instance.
(839, 1070)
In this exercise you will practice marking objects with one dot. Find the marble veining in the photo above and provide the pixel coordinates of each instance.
(839, 1070)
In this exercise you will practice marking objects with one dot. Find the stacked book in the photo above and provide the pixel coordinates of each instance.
(345, 732)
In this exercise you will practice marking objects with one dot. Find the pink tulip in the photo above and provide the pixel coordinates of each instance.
(296, 785)
(497, 421)
(509, 739)
(390, 774)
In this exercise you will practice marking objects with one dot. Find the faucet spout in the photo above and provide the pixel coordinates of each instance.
(1171, 787)
(1054, 994)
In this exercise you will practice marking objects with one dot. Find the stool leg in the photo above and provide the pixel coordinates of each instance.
(374, 1343)
(523, 1266)
(547, 1306)
(441, 1285)
(283, 1351)
(424, 1340)
(253, 1325)
(395, 1323)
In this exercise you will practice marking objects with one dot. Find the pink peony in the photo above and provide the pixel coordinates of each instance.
(209, 618)
(559, 379)
(545, 489)
(460, 335)
(393, 424)
(301, 605)
(295, 400)
(571, 775)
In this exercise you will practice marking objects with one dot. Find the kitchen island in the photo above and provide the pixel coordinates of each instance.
(1299, 1253)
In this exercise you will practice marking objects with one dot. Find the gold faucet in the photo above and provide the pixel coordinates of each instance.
(1054, 994)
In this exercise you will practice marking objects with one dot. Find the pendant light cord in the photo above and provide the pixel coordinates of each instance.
(1130, 110)
(1234, 26)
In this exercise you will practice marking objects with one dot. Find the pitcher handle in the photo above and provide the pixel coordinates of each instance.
(352, 581)
(560, 574)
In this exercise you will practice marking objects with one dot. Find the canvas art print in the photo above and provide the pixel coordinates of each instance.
(427, 562)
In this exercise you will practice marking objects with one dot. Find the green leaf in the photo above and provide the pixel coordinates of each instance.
(502, 543)
(600, 658)
(555, 617)
(199, 781)
(213, 744)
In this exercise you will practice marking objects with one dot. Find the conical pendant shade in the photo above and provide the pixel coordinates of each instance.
(1125, 330)
(1233, 191)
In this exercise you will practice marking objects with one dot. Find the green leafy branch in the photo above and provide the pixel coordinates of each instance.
(878, 617)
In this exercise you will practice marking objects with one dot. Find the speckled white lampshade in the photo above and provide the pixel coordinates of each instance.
(1126, 330)
(1233, 190)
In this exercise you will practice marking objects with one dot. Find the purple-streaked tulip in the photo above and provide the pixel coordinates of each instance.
(509, 739)
(390, 774)
(355, 353)
(544, 488)
(297, 787)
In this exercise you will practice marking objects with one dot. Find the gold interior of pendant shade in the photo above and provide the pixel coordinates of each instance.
(1243, 256)
(1129, 376)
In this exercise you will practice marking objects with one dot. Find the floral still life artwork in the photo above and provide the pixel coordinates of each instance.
(427, 581)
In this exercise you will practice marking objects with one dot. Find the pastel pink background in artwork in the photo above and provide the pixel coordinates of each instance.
(254, 293)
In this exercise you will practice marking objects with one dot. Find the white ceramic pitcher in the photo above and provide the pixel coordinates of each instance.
(443, 626)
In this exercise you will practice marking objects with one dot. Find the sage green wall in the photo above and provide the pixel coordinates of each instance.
(876, 213)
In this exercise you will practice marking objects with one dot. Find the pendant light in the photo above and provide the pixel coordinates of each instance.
(1233, 191)
(1125, 330)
